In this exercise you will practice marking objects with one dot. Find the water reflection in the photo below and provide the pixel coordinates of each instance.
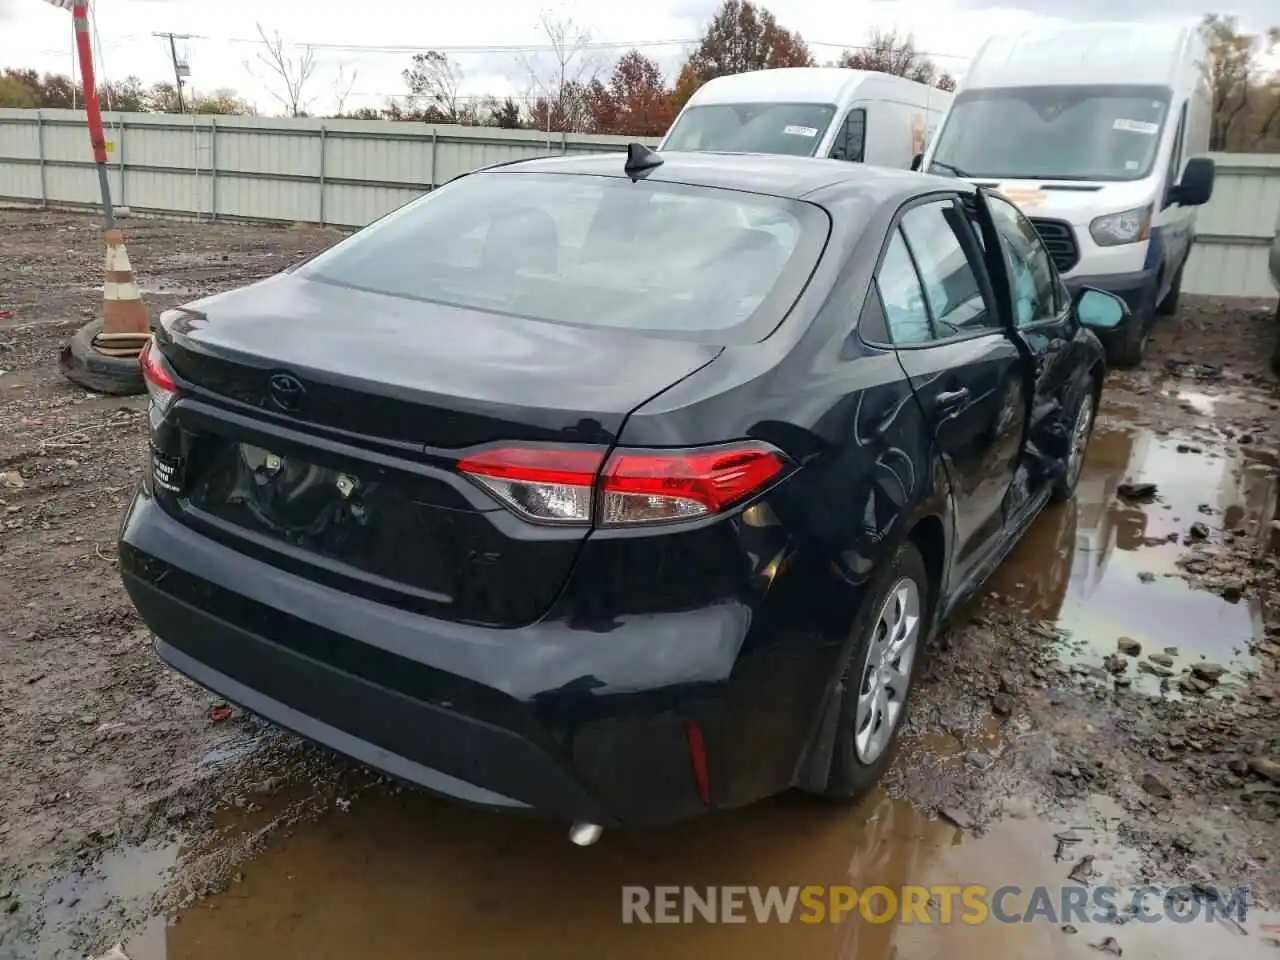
(1102, 568)
(403, 875)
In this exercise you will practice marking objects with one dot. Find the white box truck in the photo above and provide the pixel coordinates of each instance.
(1100, 133)
(858, 115)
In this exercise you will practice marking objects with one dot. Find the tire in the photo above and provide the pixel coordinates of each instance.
(1064, 487)
(855, 771)
(1127, 350)
(1168, 307)
(83, 365)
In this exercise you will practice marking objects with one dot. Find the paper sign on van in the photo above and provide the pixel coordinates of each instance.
(796, 131)
(1136, 126)
(1027, 198)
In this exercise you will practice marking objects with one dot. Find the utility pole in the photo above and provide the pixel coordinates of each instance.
(177, 68)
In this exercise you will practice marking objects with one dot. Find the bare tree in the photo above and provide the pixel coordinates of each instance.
(343, 84)
(434, 78)
(290, 74)
(561, 77)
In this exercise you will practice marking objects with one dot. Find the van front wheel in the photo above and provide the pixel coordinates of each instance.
(1169, 305)
(1127, 349)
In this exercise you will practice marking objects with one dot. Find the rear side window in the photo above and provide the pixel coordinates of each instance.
(950, 282)
(904, 304)
(596, 251)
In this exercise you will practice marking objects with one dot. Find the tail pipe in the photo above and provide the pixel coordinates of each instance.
(585, 834)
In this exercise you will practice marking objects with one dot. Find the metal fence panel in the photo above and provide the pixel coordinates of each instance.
(350, 172)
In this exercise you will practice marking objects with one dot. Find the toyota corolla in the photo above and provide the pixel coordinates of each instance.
(614, 489)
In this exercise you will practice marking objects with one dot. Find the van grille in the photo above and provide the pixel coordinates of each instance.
(1061, 242)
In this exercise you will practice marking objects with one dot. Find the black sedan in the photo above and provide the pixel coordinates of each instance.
(615, 489)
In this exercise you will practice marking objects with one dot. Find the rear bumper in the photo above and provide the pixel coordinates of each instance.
(562, 721)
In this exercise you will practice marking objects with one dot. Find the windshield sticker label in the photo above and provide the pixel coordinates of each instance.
(796, 131)
(1136, 126)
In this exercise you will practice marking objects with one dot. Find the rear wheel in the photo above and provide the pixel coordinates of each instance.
(878, 676)
(1064, 487)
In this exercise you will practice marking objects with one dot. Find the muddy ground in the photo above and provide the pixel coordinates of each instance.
(1108, 711)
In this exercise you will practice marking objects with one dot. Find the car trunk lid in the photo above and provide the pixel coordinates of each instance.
(320, 429)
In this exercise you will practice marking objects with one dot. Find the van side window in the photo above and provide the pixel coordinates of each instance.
(1037, 293)
(1175, 157)
(851, 141)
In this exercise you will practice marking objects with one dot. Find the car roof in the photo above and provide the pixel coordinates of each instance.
(776, 175)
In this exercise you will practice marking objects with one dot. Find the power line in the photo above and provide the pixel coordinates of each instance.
(476, 49)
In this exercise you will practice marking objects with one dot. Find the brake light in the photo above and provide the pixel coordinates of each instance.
(545, 484)
(557, 485)
(155, 372)
(646, 486)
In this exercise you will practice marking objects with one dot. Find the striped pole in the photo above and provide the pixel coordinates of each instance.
(125, 325)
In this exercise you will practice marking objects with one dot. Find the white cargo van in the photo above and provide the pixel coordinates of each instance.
(1099, 132)
(856, 115)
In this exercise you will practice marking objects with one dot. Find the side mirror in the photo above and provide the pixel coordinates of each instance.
(917, 161)
(1100, 310)
(1197, 183)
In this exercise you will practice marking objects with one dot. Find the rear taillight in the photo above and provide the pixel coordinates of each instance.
(543, 484)
(558, 485)
(159, 381)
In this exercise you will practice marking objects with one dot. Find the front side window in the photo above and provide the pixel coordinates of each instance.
(594, 251)
(1175, 155)
(793, 129)
(950, 281)
(851, 143)
(1037, 293)
(1102, 132)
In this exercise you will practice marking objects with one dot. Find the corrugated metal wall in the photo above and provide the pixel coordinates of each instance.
(349, 172)
(1235, 230)
(343, 172)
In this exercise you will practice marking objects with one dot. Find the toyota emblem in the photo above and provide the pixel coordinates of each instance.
(287, 391)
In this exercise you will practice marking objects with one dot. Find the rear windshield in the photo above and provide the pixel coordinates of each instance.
(691, 262)
(794, 129)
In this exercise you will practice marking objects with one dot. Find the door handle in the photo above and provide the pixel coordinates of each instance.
(951, 398)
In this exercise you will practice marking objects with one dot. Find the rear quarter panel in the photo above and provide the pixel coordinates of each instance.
(846, 414)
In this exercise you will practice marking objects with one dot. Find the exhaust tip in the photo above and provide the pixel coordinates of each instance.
(585, 834)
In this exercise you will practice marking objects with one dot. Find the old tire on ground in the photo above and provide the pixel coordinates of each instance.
(83, 365)
(860, 759)
(1168, 307)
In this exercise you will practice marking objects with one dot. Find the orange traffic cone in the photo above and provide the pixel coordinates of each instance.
(125, 327)
(103, 354)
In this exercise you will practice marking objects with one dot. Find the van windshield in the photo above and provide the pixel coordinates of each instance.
(1053, 133)
(793, 129)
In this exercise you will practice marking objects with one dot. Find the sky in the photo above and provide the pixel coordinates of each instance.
(499, 45)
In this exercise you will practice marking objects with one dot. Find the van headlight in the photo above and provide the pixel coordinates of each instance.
(1127, 226)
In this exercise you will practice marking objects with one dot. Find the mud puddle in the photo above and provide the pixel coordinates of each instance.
(1106, 566)
(404, 875)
